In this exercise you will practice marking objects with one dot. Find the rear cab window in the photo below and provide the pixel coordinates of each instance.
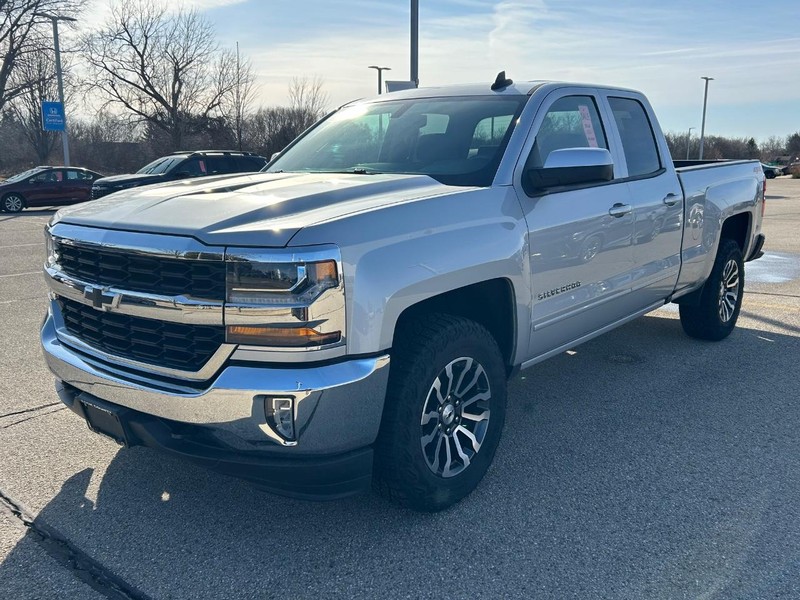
(638, 140)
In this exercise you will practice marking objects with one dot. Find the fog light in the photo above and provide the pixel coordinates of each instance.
(280, 416)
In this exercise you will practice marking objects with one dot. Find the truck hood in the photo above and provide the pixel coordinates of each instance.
(260, 209)
(133, 178)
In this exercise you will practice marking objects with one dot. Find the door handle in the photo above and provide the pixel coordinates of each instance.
(619, 210)
(671, 199)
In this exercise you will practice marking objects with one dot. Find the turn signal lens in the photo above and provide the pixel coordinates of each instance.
(286, 337)
(324, 273)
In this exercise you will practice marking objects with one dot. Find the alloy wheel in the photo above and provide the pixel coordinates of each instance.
(455, 417)
(728, 291)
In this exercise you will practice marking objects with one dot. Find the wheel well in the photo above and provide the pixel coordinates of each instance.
(736, 228)
(474, 302)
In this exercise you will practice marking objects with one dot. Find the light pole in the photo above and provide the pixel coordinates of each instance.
(380, 71)
(414, 66)
(55, 19)
(688, 142)
(703, 125)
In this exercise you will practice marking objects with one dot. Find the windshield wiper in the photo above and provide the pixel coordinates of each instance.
(360, 171)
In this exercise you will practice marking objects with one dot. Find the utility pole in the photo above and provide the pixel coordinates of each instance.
(415, 42)
(55, 19)
(688, 142)
(703, 125)
(238, 100)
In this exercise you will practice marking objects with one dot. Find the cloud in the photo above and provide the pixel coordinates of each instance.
(662, 50)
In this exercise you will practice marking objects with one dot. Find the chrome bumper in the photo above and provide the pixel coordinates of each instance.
(338, 406)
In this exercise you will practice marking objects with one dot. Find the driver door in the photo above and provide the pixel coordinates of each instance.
(579, 236)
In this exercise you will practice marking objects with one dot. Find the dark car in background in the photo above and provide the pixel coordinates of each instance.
(46, 186)
(772, 171)
(181, 165)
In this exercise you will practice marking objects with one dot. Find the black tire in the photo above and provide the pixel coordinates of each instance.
(714, 316)
(403, 471)
(12, 203)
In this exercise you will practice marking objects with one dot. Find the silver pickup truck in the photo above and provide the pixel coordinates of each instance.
(350, 316)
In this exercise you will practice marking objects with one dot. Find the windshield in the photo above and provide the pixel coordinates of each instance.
(161, 165)
(23, 175)
(455, 140)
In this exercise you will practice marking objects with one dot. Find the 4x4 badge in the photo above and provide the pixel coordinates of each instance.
(101, 299)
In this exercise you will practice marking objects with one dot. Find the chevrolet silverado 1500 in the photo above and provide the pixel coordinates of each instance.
(350, 316)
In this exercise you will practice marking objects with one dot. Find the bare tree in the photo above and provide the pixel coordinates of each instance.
(308, 99)
(241, 100)
(39, 70)
(164, 68)
(18, 28)
(773, 147)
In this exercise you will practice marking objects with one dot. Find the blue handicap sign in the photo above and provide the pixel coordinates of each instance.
(52, 116)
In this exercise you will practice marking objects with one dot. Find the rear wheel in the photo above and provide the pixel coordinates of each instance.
(715, 315)
(13, 203)
(444, 412)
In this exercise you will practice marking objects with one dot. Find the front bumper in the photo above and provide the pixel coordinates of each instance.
(337, 415)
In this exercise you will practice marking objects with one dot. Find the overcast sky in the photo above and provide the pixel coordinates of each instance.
(752, 49)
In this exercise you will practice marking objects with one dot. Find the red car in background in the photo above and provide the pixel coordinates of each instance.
(46, 186)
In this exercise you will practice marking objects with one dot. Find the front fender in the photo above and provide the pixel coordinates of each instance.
(398, 256)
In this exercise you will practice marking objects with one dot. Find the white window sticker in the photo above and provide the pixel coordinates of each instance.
(588, 128)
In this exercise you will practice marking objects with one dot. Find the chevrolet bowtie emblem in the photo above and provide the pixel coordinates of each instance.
(100, 298)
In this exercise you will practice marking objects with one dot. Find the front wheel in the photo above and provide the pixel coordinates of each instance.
(444, 413)
(715, 315)
(13, 203)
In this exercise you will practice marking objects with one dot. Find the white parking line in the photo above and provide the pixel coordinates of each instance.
(21, 274)
(22, 245)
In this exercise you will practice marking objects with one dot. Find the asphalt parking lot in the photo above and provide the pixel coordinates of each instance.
(643, 464)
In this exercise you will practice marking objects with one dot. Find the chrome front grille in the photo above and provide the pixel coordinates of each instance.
(161, 343)
(143, 273)
(145, 302)
(98, 192)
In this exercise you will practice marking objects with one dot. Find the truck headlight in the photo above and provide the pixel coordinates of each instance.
(284, 299)
(51, 253)
(279, 283)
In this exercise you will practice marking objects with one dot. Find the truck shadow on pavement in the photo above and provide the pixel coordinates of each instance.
(643, 464)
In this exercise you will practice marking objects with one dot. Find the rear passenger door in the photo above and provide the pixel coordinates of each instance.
(579, 237)
(656, 197)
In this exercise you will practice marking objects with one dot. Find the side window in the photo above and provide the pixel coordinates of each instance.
(74, 175)
(219, 164)
(638, 141)
(437, 123)
(53, 176)
(193, 166)
(488, 135)
(249, 164)
(571, 122)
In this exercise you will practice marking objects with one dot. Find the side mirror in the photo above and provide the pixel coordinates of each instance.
(571, 166)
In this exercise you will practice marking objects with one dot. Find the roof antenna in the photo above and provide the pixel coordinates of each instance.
(501, 81)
